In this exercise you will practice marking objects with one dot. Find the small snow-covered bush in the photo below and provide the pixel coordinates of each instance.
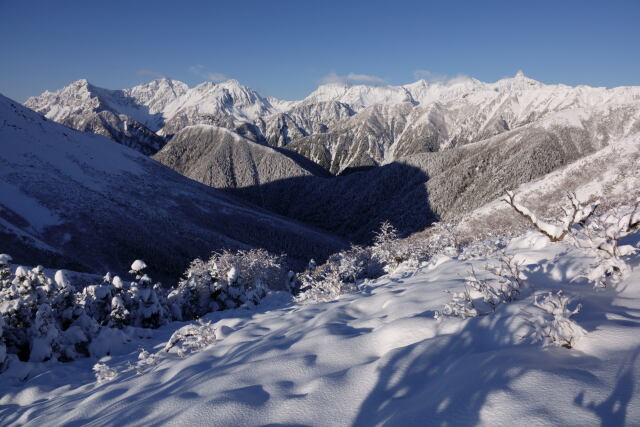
(146, 362)
(227, 280)
(387, 249)
(191, 338)
(338, 275)
(554, 325)
(601, 236)
(104, 373)
(482, 296)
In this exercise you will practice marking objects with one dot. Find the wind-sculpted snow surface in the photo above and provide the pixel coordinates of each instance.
(72, 199)
(371, 358)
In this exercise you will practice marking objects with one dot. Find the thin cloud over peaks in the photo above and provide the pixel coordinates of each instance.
(351, 78)
(439, 78)
(199, 70)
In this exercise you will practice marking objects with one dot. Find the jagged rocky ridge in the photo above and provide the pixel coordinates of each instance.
(77, 200)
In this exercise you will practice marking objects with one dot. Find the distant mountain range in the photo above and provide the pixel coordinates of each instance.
(411, 154)
(338, 126)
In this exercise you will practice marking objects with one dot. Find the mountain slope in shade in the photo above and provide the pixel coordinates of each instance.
(415, 190)
(72, 195)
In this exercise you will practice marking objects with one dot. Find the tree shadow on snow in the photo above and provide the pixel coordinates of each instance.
(448, 379)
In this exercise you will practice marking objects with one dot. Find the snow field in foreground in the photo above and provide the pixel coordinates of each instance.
(374, 357)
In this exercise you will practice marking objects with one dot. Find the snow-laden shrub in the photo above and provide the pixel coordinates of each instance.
(191, 338)
(387, 250)
(25, 305)
(146, 361)
(227, 280)
(503, 284)
(149, 306)
(338, 275)
(575, 213)
(601, 236)
(342, 271)
(104, 373)
(554, 325)
(45, 319)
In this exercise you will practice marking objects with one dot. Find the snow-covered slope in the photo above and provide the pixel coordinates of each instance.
(221, 158)
(610, 175)
(373, 358)
(71, 196)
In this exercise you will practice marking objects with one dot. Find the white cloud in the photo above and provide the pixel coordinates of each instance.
(199, 70)
(352, 78)
(439, 78)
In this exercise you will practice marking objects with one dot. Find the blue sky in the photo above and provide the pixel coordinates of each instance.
(286, 48)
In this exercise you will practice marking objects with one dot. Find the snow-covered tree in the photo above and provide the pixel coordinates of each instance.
(227, 280)
(149, 308)
(503, 284)
(386, 248)
(554, 325)
(575, 213)
(601, 236)
(44, 334)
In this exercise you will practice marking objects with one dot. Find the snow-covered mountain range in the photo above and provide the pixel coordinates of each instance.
(79, 200)
(444, 148)
(341, 126)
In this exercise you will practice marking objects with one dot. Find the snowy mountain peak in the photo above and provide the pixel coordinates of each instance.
(359, 96)
(518, 82)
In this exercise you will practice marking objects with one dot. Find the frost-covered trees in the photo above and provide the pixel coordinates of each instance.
(339, 274)
(553, 325)
(503, 284)
(191, 338)
(342, 271)
(227, 280)
(574, 214)
(386, 248)
(601, 236)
